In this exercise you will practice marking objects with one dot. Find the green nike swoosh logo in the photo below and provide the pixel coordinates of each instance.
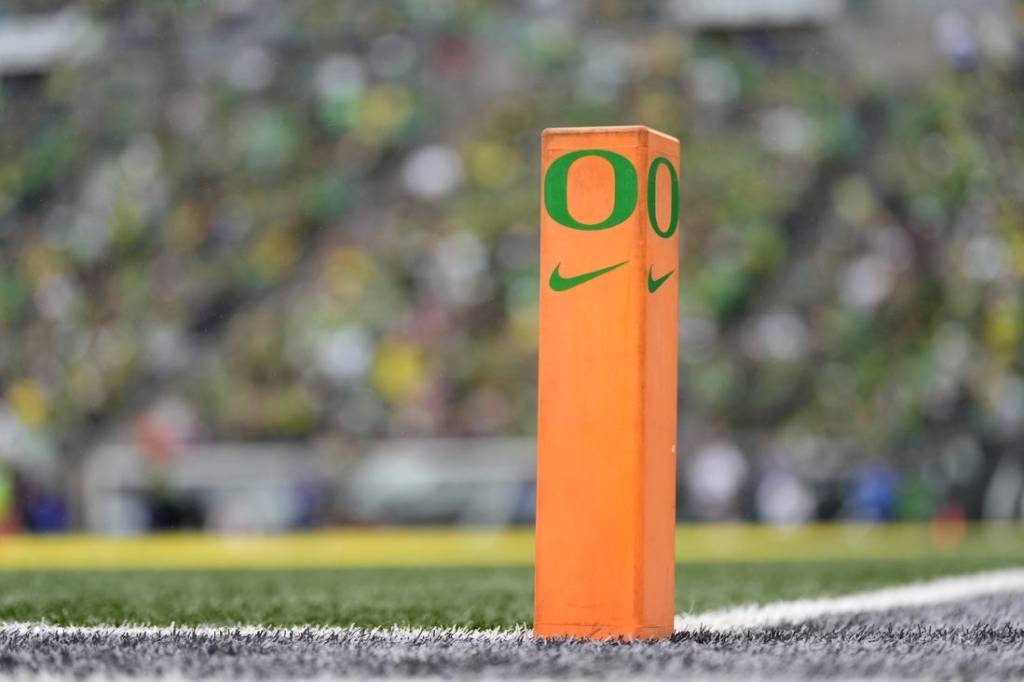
(653, 284)
(559, 283)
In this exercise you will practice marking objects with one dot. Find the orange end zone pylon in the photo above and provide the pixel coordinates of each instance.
(606, 464)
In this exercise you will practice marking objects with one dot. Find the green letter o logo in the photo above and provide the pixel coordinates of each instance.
(652, 197)
(556, 195)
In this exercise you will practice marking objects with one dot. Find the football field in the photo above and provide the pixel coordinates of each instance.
(827, 607)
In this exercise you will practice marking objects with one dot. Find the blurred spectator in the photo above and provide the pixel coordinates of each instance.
(716, 476)
(874, 494)
(783, 499)
(46, 512)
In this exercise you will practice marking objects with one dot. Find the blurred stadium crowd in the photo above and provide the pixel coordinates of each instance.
(317, 221)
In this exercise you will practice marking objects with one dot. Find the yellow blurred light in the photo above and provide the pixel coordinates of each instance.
(28, 402)
(1003, 326)
(397, 371)
(385, 110)
(493, 165)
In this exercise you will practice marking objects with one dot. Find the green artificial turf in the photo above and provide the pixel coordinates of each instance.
(475, 597)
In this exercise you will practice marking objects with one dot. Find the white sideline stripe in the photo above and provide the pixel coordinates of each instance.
(925, 593)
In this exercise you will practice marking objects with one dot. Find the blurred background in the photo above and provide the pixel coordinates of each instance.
(267, 266)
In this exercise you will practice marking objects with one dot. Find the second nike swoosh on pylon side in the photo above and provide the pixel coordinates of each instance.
(653, 284)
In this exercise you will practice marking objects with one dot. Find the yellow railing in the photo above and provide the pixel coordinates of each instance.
(487, 547)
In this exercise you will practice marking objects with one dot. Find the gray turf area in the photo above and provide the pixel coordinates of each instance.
(978, 639)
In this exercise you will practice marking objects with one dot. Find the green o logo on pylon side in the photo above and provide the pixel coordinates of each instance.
(652, 197)
(556, 192)
(556, 189)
